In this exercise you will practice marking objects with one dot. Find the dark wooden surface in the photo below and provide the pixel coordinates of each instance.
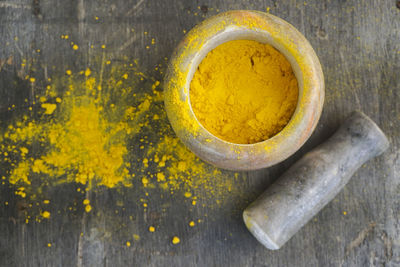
(358, 43)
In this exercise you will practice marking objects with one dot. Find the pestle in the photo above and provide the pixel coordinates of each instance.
(313, 181)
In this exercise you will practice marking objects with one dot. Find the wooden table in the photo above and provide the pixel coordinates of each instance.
(358, 43)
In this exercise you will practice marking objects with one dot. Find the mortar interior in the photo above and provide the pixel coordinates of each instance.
(231, 34)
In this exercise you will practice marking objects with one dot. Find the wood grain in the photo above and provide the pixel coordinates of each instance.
(358, 45)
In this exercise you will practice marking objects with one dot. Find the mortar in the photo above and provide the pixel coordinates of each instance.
(239, 25)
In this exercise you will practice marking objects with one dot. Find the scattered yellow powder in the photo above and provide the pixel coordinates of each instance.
(86, 142)
(88, 72)
(187, 172)
(24, 150)
(175, 240)
(145, 181)
(152, 229)
(49, 108)
(155, 85)
(181, 165)
(160, 176)
(20, 192)
(244, 91)
(88, 208)
(145, 162)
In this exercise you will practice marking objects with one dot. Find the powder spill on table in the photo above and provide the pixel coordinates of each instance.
(82, 128)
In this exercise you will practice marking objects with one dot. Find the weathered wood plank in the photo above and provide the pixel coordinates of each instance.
(358, 45)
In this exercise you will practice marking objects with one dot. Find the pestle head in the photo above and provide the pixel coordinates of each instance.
(313, 181)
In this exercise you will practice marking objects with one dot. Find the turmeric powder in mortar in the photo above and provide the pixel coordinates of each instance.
(244, 92)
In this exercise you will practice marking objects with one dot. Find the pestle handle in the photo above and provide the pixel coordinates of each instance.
(313, 181)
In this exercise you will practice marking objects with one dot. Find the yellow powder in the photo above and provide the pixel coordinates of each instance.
(244, 92)
(184, 171)
(49, 108)
(21, 192)
(88, 208)
(145, 181)
(88, 72)
(175, 240)
(85, 143)
(24, 150)
(92, 139)
(160, 177)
